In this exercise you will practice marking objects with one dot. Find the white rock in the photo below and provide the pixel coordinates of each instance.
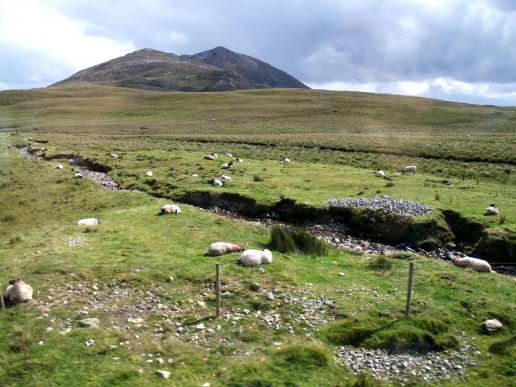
(270, 296)
(59, 166)
(89, 322)
(199, 327)
(148, 173)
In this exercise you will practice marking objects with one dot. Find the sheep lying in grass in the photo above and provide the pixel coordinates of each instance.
(221, 248)
(149, 173)
(474, 263)
(225, 177)
(228, 154)
(78, 175)
(409, 170)
(491, 210)
(195, 175)
(379, 173)
(285, 160)
(227, 165)
(215, 182)
(17, 292)
(59, 166)
(211, 156)
(88, 222)
(255, 257)
(170, 209)
(113, 155)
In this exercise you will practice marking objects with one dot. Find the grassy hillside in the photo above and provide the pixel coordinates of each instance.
(139, 265)
(122, 270)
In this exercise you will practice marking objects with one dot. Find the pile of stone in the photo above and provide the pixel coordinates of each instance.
(383, 203)
(407, 368)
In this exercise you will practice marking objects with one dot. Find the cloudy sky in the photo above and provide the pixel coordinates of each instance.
(462, 50)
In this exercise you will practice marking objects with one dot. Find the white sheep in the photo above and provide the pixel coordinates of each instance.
(239, 160)
(216, 182)
(88, 222)
(113, 155)
(409, 170)
(78, 175)
(209, 157)
(221, 248)
(491, 210)
(17, 292)
(379, 173)
(59, 166)
(227, 165)
(170, 209)
(255, 257)
(195, 175)
(225, 177)
(149, 173)
(474, 263)
(228, 154)
(285, 160)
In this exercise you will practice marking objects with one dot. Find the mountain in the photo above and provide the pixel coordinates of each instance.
(218, 69)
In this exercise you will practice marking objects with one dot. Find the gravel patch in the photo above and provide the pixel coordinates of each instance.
(383, 203)
(408, 368)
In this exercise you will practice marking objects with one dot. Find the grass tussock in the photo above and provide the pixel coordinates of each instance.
(296, 241)
(381, 263)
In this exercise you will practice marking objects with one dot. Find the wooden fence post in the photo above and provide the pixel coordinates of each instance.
(217, 287)
(409, 288)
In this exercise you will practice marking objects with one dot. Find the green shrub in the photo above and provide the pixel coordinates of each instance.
(296, 241)
(381, 262)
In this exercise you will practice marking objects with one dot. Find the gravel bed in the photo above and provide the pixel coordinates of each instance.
(408, 368)
(383, 203)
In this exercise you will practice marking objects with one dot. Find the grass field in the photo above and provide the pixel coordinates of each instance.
(135, 260)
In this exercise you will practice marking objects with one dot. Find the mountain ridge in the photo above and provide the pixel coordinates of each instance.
(217, 69)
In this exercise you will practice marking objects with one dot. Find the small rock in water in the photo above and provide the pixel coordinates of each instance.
(254, 287)
(163, 374)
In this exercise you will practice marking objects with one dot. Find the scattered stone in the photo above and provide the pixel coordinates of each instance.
(41, 342)
(89, 342)
(226, 295)
(261, 270)
(254, 287)
(270, 296)
(341, 274)
(163, 374)
(89, 323)
(199, 327)
(491, 326)
(136, 320)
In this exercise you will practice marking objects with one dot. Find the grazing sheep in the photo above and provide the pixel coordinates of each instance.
(221, 248)
(195, 175)
(285, 160)
(228, 154)
(409, 170)
(474, 263)
(239, 160)
(59, 166)
(227, 165)
(255, 257)
(113, 155)
(209, 157)
(78, 175)
(17, 292)
(225, 177)
(170, 209)
(491, 210)
(88, 222)
(148, 173)
(216, 182)
(379, 173)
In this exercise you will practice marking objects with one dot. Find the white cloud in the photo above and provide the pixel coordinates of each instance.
(178, 37)
(55, 41)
